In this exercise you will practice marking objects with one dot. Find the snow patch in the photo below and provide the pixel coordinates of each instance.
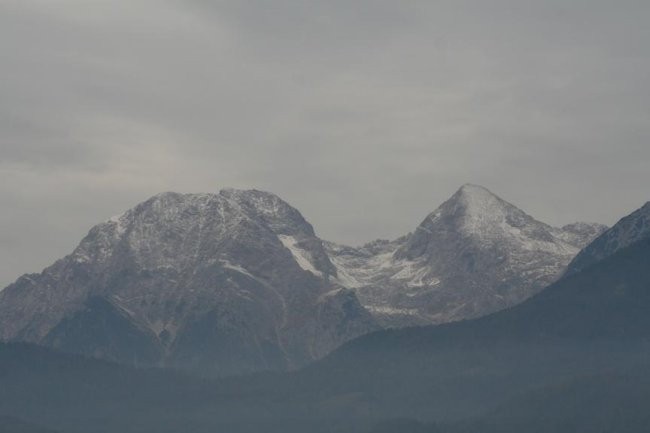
(118, 222)
(301, 256)
(329, 294)
(226, 264)
(392, 311)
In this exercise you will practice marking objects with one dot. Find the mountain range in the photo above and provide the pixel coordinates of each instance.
(473, 255)
(572, 358)
(238, 281)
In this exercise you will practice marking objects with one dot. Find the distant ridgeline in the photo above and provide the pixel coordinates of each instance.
(575, 357)
(238, 282)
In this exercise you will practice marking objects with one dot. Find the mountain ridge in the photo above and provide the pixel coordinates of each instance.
(629, 229)
(464, 376)
(238, 281)
(473, 255)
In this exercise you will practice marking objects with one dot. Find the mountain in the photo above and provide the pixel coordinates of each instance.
(633, 228)
(573, 358)
(238, 281)
(594, 322)
(211, 283)
(474, 255)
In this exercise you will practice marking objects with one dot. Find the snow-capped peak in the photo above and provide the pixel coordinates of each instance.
(476, 208)
(183, 271)
(475, 195)
(476, 253)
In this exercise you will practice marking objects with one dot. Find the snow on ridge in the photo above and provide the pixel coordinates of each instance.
(358, 271)
(383, 309)
(118, 221)
(227, 265)
(299, 255)
(331, 293)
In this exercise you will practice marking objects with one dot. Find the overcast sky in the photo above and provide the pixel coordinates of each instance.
(365, 115)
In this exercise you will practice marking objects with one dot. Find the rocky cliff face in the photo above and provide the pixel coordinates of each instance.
(474, 255)
(238, 281)
(581, 234)
(213, 283)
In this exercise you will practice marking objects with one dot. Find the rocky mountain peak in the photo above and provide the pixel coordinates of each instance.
(475, 254)
(471, 201)
(173, 230)
(476, 197)
(215, 283)
(475, 210)
(474, 214)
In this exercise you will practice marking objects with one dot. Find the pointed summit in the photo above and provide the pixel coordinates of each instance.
(474, 212)
(475, 254)
(473, 199)
(474, 190)
(475, 195)
(475, 208)
(481, 254)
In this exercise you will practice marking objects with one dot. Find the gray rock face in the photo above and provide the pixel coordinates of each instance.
(474, 255)
(213, 283)
(237, 281)
(631, 229)
(581, 234)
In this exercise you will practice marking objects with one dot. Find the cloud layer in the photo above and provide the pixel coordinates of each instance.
(363, 114)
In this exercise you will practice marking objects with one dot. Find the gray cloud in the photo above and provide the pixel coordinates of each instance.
(363, 114)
